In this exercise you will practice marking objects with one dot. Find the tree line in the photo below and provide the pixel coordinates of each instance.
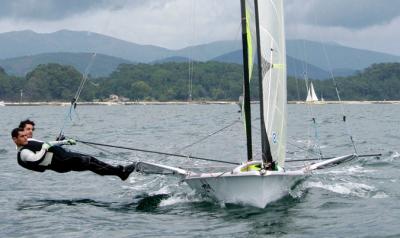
(170, 82)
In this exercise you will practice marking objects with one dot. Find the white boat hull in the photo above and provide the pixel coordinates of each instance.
(245, 185)
(248, 188)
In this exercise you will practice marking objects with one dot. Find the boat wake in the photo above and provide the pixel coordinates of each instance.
(354, 170)
(183, 198)
(348, 188)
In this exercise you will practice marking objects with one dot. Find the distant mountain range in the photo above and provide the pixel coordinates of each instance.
(296, 67)
(25, 43)
(101, 65)
(22, 51)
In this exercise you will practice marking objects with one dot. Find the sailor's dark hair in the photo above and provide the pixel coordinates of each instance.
(15, 132)
(22, 124)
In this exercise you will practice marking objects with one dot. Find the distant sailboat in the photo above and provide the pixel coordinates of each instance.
(311, 95)
(257, 182)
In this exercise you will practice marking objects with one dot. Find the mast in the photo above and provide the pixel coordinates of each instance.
(266, 150)
(246, 81)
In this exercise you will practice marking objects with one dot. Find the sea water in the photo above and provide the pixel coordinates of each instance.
(358, 199)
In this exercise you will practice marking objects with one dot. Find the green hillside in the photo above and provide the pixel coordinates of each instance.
(102, 65)
(169, 82)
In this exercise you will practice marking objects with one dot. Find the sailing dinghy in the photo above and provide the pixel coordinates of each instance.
(257, 182)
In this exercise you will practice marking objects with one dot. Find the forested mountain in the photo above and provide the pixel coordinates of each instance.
(332, 56)
(25, 43)
(100, 65)
(169, 82)
(41, 48)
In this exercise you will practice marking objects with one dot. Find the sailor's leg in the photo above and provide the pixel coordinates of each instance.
(80, 162)
(64, 161)
(102, 168)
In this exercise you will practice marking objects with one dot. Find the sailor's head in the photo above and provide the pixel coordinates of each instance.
(28, 126)
(19, 136)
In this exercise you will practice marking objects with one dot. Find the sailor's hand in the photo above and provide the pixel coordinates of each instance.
(71, 142)
(46, 146)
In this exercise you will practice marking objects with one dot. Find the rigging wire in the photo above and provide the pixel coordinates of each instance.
(344, 117)
(156, 152)
(75, 99)
(208, 136)
(97, 146)
(305, 149)
(296, 77)
(191, 54)
(82, 83)
(84, 78)
(309, 106)
(101, 149)
(304, 74)
(326, 158)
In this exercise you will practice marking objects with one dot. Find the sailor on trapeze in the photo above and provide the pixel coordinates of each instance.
(41, 156)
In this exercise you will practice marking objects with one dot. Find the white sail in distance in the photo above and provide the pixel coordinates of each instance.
(311, 96)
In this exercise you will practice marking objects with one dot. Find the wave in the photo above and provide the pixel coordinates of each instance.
(348, 170)
(349, 188)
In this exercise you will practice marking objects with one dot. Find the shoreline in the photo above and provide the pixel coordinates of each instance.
(183, 103)
(115, 103)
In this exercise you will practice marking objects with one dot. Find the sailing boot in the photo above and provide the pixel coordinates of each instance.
(126, 171)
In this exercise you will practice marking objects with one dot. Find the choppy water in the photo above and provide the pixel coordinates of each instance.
(360, 199)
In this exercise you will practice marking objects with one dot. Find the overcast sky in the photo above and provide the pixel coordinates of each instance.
(366, 24)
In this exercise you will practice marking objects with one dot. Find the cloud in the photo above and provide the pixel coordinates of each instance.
(381, 38)
(341, 13)
(167, 23)
(353, 14)
(179, 23)
(58, 9)
(365, 24)
(370, 24)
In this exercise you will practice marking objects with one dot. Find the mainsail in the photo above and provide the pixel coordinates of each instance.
(272, 63)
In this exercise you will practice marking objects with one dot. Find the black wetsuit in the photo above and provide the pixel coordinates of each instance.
(64, 161)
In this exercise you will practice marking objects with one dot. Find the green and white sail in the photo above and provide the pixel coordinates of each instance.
(272, 54)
